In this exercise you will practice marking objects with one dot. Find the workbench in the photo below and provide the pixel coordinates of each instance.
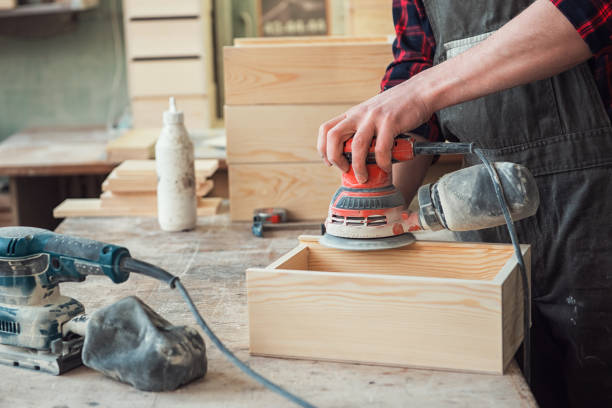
(211, 262)
(47, 165)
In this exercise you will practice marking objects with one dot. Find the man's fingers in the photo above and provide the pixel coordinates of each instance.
(385, 138)
(322, 138)
(335, 143)
(360, 147)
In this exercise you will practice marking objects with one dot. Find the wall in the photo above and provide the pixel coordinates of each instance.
(62, 79)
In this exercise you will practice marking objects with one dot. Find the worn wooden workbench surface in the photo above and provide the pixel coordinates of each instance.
(211, 262)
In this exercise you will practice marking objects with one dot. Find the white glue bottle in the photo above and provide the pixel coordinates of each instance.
(176, 196)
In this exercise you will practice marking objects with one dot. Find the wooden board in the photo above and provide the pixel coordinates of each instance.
(304, 189)
(204, 168)
(164, 38)
(249, 41)
(161, 8)
(8, 4)
(92, 207)
(275, 133)
(198, 110)
(302, 74)
(431, 304)
(369, 17)
(167, 77)
(134, 144)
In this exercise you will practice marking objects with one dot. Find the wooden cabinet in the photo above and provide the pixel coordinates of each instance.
(169, 52)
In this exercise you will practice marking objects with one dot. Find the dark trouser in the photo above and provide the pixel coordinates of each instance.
(571, 238)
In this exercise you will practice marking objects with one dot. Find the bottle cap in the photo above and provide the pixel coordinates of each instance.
(172, 116)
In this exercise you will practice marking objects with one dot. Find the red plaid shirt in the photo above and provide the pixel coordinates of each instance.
(414, 46)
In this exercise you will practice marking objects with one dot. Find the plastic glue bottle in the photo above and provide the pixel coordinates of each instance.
(176, 196)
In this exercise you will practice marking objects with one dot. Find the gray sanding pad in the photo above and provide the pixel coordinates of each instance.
(366, 244)
(131, 343)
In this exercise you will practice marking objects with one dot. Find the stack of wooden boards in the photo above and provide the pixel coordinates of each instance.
(277, 93)
(169, 53)
(130, 190)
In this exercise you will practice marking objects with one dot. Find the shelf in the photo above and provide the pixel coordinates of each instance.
(49, 8)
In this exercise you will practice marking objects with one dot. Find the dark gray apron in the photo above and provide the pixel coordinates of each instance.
(559, 129)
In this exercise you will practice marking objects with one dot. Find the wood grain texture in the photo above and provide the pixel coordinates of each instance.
(276, 133)
(302, 74)
(164, 38)
(147, 112)
(405, 311)
(211, 261)
(92, 207)
(8, 4)
(369, 17)
(161, 8)
(204, 168)
(251, 41)
(144, 199)
(167, 77)
(304, 189)
(134, 144)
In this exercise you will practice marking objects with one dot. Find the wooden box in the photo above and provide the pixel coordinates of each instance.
(441, 305)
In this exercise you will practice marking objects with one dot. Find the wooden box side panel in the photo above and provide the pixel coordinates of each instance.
(512, 306)
(276, 133)
(304, 189)
(288, 74)
(387, 320)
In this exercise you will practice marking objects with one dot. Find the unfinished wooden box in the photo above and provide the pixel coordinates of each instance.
(442, 305)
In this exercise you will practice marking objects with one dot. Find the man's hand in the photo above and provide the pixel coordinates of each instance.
(536, 44)
(386, 115)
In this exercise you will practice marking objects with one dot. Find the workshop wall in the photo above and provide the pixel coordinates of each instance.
(72, 74)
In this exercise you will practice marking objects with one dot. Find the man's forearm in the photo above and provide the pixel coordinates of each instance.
(536, 44)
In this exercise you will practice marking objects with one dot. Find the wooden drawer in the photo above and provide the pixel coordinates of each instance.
(147, 112)
(164, 38)
(167, 77)
(161, 8)
(442, 305)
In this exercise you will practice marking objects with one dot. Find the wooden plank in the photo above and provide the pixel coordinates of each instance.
(304, 189)
(164, 38)
(276, 133)
(167, 77)
(204, 168)
(331, 39)
(161, 8)
(133, 144)
(369, 17)
(91, 207)
(302, 74)
(8, 4)
(114, 199)
(147, 111)
(396, 307)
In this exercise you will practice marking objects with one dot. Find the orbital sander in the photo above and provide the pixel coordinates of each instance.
(373, 215)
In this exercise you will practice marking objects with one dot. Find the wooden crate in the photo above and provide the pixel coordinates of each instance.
(304, 73)
(198, 111)
(303, 188)
(135, 9)
(165, 38)
(442, 305)
(275, 133)
(167, 77)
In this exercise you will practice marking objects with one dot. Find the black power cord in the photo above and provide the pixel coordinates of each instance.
(144, 268)
(499, 192)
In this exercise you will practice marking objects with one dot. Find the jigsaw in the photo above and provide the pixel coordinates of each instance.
(373, 215)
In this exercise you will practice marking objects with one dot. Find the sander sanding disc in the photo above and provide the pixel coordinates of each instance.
(366, 244)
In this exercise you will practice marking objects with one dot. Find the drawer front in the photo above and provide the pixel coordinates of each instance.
(164, 38)
(147, 112)
(167, 77)
(161, 8)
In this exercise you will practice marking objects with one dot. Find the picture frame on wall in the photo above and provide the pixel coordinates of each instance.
(281, 18)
